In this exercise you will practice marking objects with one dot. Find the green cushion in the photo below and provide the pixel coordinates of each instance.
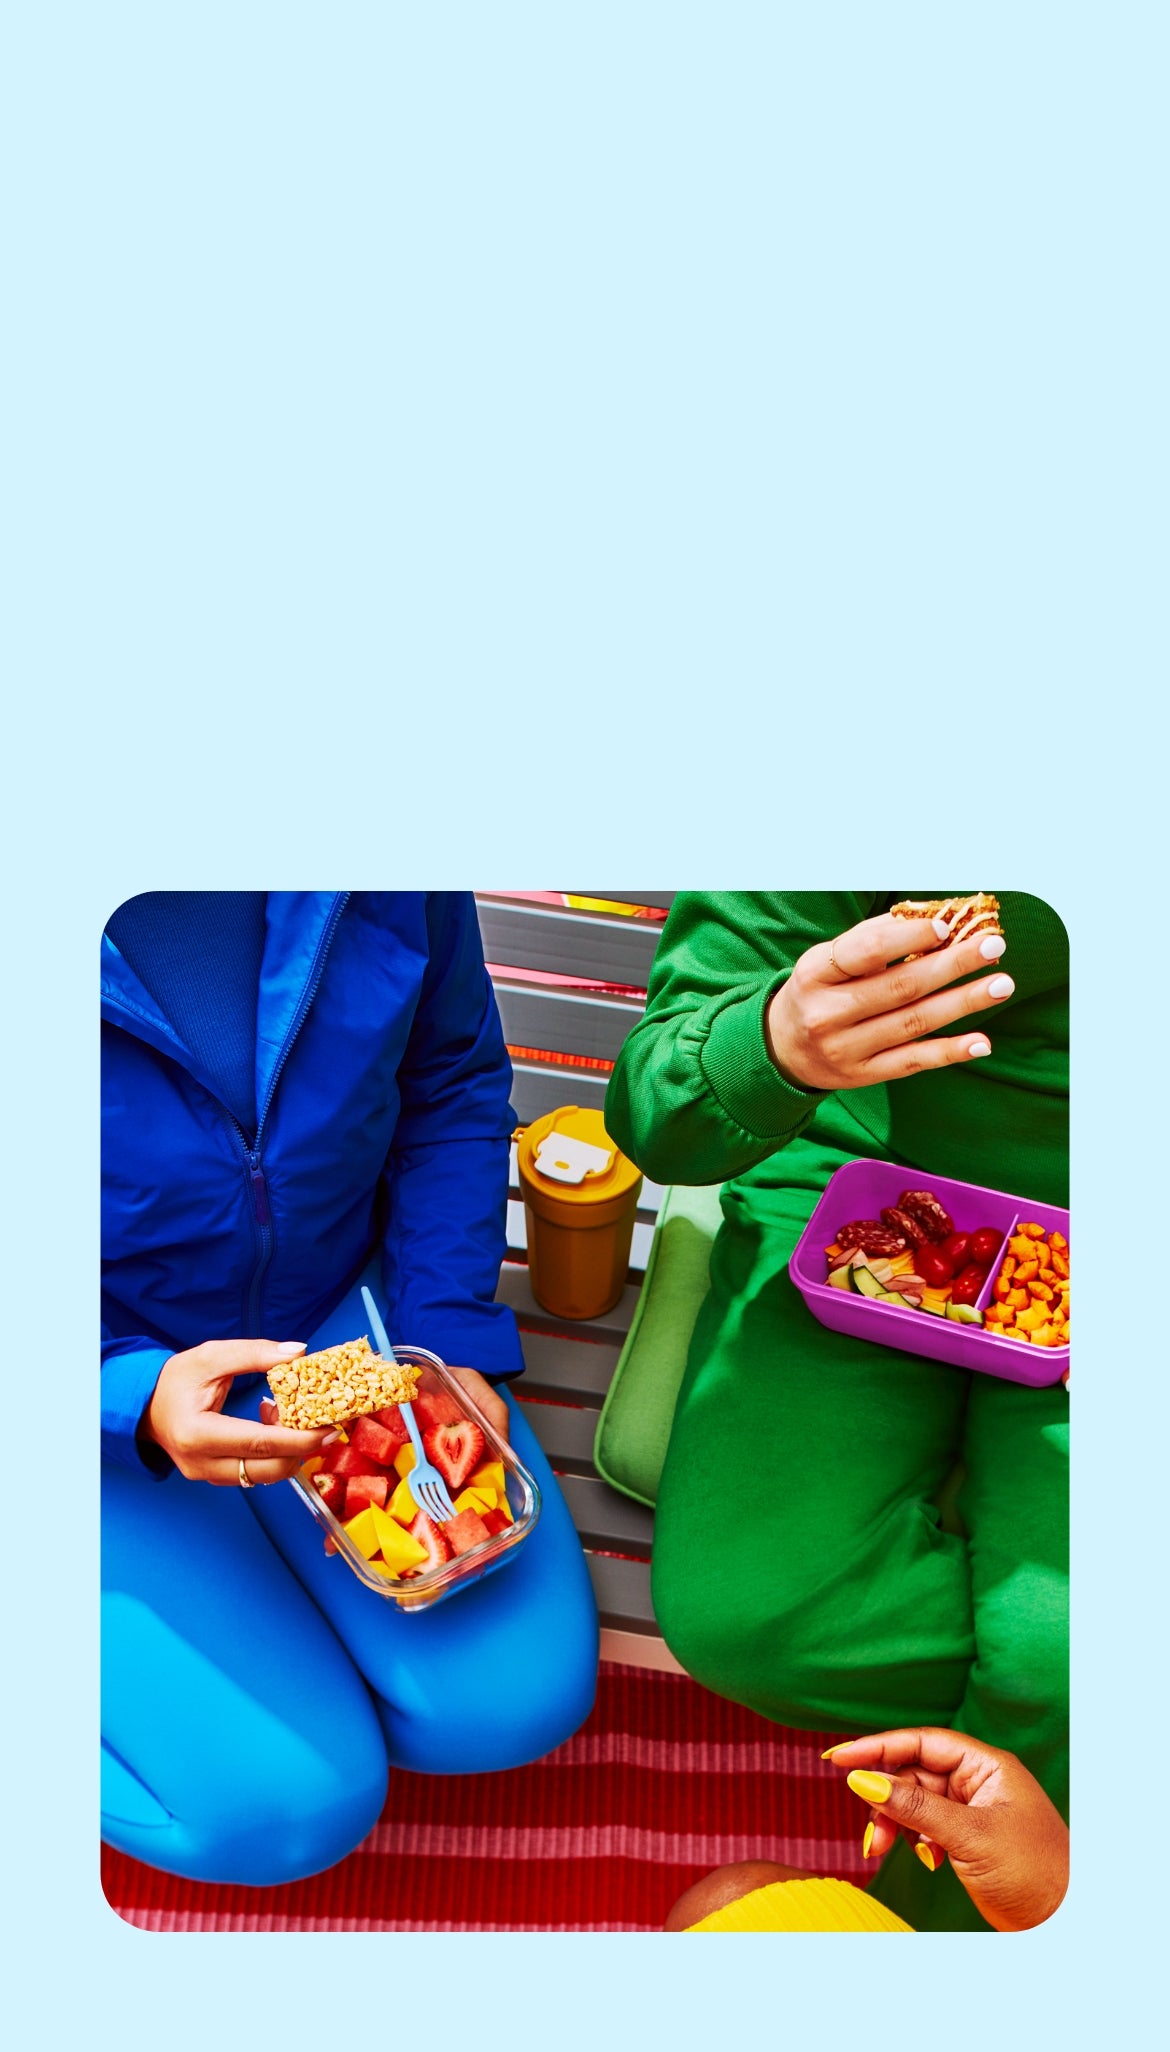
(635, 1422)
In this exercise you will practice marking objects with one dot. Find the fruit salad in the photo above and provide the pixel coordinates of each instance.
(913, 1257)
(362, 1479)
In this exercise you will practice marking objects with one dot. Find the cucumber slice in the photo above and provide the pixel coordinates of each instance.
(866, 1281)
(964, 1314)
(893, 1297)
(839, 1279)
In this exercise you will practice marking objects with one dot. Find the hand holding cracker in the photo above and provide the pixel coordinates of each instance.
(185, 1418)
(868, 1006)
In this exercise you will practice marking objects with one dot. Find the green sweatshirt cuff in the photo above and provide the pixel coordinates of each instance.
(743, 1076)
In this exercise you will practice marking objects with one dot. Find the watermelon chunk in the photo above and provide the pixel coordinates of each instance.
(392, 1421)
(466, 1531)
(497, 1521)
(345, 1459)
(437, 1407)
(373, 1440)
(362, 1490)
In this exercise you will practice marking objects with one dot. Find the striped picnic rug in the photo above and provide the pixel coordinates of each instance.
(664, 1782)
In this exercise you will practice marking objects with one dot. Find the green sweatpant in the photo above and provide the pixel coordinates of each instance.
(800, 1566)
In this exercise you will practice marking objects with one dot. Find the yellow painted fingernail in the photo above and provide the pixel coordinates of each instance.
(926, 1855)
(839, 1747)
(872, 1788)
(867, 1841)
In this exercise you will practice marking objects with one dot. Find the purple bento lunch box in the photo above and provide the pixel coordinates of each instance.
(860, 1190)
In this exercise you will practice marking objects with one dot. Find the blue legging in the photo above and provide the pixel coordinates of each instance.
(255, 1694)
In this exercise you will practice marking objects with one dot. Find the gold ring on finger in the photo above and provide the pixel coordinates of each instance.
(834, 963)
(246, 1481)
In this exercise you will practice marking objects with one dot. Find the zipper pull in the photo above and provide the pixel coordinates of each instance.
(260, 1197)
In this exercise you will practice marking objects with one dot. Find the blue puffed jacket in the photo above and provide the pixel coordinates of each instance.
(382, 1084)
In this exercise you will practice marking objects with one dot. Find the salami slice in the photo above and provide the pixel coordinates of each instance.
(925, 1207)
(871, 1236)
(900, 1221)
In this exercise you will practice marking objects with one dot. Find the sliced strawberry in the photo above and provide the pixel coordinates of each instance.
(331, 1490)
(362, 1490)
(428, 1535)
(455, 1451)
(393, 1422)
(466, 1531)
(438, 1407)
(374, 1441)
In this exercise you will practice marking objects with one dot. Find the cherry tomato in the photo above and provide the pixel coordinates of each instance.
(932, 1265)
(967, 1284)
(957, 1249)
(985, 1245)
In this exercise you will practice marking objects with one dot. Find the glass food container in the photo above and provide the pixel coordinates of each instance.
(355, 1540)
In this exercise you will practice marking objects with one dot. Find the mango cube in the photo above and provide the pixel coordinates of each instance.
(404, 1460)
(364, 1533)
(402, 1504)
(478, 1500)
(489, 1475)
(398, 1549)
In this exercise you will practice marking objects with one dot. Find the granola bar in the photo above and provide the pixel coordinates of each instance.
(337, 1384)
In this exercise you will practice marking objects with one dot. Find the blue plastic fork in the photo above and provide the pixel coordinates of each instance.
(424, 1481)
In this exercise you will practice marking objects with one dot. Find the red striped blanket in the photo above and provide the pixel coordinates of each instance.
(664, 1782)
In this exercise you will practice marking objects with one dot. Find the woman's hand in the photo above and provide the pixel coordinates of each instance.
(845, 1018)
(184, 1415)
(494, 1409)
(951, 1794)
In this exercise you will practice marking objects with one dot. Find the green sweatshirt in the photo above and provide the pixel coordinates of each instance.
(696, 1098)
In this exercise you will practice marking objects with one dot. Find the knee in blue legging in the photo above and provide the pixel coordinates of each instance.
(272, 1820)
(486, 1718)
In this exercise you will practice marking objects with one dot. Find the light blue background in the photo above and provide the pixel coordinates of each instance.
(635, 445)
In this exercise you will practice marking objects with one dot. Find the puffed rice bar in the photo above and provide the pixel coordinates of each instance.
(338, 1384)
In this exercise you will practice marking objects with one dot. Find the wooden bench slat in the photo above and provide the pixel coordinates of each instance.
(622, 1589)
(605, 1519)
(537, 1090)
(603, 947)
(564, 1022)
(515, 1290)
(564, 1432)
(575, 1371)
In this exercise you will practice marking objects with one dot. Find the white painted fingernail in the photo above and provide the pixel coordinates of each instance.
(330, 1437)
(1000, 986)
(941, 928)
(992, 948)
(978, 1047)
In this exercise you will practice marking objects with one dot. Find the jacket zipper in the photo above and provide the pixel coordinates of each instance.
(261, 1208)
